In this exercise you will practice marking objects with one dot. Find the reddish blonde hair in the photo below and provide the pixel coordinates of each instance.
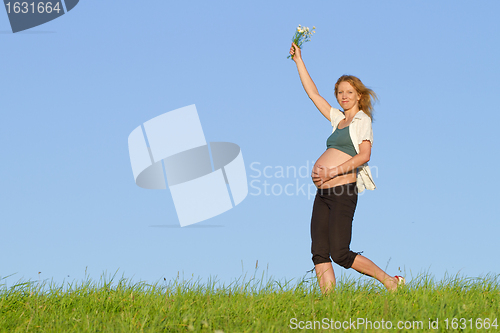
(367, 95)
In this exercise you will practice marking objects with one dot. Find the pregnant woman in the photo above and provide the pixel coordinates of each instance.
(340, 174)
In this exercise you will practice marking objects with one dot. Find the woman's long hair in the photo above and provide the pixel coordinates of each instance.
(367, 95)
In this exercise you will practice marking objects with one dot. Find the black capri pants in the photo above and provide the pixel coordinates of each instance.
(331, 224)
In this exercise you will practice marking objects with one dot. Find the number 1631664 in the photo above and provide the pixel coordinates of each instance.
(32, 7)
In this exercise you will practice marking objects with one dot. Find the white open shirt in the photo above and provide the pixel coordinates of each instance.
(360, 129)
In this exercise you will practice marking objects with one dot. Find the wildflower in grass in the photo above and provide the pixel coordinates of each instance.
(301, 36)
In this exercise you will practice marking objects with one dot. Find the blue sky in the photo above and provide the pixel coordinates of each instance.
(73, 89)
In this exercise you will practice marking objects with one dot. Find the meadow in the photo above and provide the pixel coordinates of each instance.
(453, 304)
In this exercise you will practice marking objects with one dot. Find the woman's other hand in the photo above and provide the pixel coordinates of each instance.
(321, 174)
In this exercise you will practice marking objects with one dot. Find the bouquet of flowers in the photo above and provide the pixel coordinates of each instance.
(302, 35)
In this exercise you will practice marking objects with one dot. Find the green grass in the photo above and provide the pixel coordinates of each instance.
(249, 306)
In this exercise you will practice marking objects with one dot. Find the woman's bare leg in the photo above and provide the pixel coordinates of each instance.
(326, 276)
(366, 266)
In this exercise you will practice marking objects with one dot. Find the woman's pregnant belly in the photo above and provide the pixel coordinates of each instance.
(331, 158)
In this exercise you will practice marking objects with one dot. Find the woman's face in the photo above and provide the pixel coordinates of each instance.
(347, 96)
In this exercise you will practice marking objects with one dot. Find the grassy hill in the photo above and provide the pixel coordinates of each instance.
(458, 304)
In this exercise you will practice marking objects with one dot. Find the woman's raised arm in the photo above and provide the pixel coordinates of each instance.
(308, 84)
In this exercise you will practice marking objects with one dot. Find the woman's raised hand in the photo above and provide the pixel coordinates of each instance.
(295, 52)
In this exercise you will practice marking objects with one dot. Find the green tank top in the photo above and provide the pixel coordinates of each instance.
(341, 140)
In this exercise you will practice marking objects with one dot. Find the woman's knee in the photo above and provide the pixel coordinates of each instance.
(320, 259)
(344, 258)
